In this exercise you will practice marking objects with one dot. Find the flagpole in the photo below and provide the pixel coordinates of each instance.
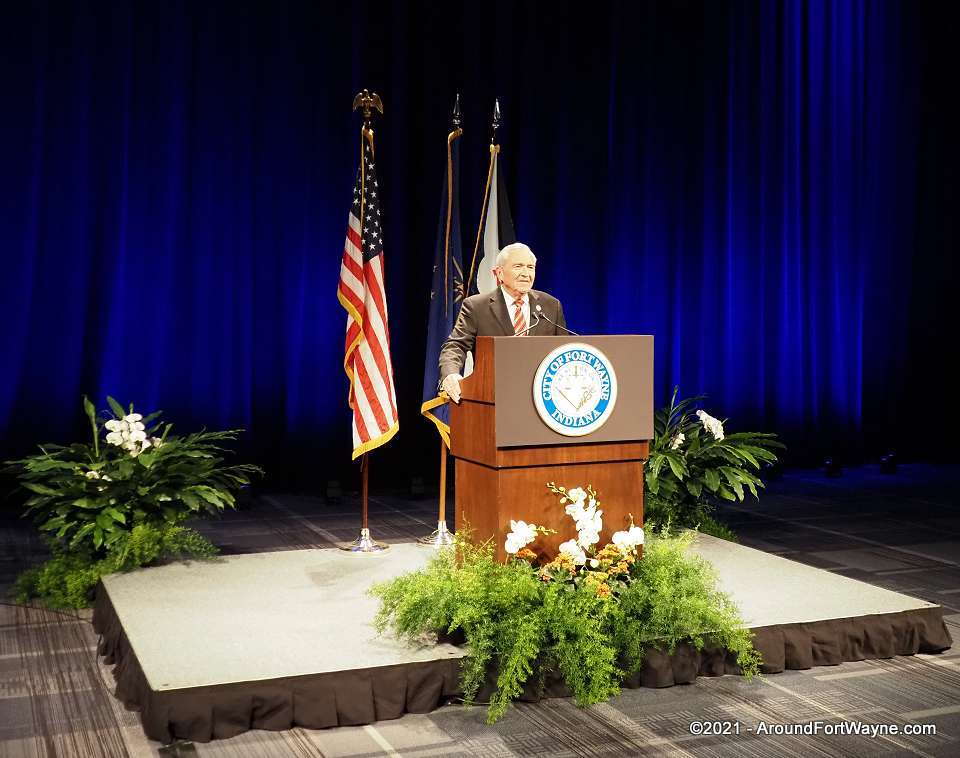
(365, 543)
(364, 493)
(441, 536)
(494, 149)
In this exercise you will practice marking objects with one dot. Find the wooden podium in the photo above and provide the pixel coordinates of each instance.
(505, 453)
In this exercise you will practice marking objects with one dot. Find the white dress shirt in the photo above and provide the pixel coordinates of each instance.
(511, 308)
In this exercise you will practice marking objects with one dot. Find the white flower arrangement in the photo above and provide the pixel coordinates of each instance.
(582, 508)
(606, 571)
(130, 434)
(694, 466)
(711, 424)
(91, 496)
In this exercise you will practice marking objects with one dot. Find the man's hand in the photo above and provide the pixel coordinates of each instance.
(451, 385)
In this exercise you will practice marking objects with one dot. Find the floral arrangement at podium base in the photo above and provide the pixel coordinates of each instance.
(591, 615)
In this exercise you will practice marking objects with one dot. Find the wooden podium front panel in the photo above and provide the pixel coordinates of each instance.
(517, 360)
(478, 444)
(477, 509)
(488, 498)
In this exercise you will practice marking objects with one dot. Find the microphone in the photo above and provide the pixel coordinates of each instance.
(522, 332)
(541, 314)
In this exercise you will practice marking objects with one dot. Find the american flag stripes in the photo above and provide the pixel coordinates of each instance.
(363, 294)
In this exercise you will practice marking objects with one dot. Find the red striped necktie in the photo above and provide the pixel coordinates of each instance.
(519, 322)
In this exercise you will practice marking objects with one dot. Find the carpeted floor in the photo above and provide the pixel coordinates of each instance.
(900, 532)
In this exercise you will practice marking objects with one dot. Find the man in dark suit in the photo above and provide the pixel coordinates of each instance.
(508, 310)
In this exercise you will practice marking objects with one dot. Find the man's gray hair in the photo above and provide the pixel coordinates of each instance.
(505, 253)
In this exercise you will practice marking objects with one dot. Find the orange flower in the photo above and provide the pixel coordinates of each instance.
(603, 590)
(609, 553)
(526, 554)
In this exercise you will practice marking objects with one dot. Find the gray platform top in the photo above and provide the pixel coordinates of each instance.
(292, 613)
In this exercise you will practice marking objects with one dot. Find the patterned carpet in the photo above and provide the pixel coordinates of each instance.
(900, 532)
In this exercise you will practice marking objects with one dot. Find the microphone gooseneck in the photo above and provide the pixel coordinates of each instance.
(541, 314)
(524, 331)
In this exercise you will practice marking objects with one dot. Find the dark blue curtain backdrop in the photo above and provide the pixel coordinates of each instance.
(767, 187)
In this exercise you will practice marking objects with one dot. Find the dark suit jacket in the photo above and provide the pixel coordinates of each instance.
(486, 315)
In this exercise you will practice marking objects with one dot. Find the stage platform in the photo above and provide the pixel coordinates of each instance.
(210, 649)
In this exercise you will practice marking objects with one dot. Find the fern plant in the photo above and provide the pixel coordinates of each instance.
(518, 622)
(694, 465)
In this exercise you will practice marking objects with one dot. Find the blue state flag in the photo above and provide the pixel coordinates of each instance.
(447, 288)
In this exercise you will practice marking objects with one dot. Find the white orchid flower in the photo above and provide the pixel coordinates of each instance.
(629, 539)
(92, 475)
(576, 511)
(590, 520)
(571, 549)
(577, 495)
(132, 417)
(157, 441)
(138, 435)
(114, 438)
(712, 425)
(113, 425)
(587, 538)
(521, 535)
(145, 444)
(677, 441)
(524, 530)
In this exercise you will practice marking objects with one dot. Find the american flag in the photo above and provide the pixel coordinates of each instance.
(362, 292)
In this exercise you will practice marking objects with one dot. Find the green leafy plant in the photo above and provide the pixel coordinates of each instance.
(591, 621)
(68, 579)
(694, 465)
(103, 504)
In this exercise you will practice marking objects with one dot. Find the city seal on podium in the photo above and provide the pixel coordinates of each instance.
(575, 389)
